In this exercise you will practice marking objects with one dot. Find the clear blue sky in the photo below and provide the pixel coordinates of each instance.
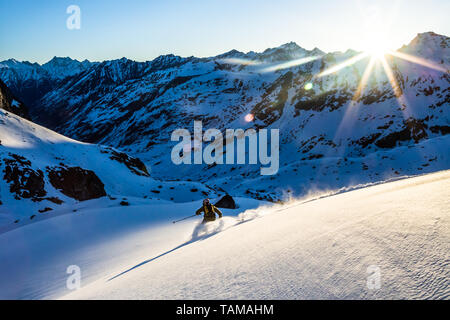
(36, 30)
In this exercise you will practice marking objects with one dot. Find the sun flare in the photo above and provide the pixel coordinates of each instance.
(377, 48)
(377, 53)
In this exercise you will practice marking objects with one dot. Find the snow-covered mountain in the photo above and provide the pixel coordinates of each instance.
(286, 52)
(30, 81)
(102, 209)
(330, 136)
(59, 68)
(44, 174)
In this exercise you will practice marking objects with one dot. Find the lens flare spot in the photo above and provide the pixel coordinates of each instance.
(308, 86)
(249, 117)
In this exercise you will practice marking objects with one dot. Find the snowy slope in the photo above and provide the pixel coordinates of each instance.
(98, 236)
(316, 250)
(44, 174)
(317, 247)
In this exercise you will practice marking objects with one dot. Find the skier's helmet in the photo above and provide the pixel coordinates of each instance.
(206, 201)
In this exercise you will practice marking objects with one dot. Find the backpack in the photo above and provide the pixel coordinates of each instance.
(209, 211)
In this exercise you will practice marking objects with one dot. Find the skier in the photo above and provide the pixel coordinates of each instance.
(210, 211)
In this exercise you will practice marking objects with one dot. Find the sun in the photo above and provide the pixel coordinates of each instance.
(377, 45)
(377, 53)
(377, 48)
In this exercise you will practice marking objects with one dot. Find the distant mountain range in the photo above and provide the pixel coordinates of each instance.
(331, 137)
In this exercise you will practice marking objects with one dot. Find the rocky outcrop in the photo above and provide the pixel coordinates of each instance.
(11, 104)
(24, 182)
(227, 202)
(76, 183)
(134, 164)
(413, 130)
(271, 107)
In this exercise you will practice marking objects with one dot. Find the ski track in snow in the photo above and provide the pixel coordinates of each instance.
(204, 231)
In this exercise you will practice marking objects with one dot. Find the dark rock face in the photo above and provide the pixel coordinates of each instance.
(333, 99)
(227, 202)
(134, 164)
(9, 103)
(365, 141)
(440, 129)
(76, 183)
(414, 130)
(268, 110)
(24, 181)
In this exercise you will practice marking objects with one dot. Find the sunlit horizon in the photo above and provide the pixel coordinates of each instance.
(143, 30)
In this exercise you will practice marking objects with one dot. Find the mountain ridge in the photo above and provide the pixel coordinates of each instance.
(134, 106)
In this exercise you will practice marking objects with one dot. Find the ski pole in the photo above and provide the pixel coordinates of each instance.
(185, 218)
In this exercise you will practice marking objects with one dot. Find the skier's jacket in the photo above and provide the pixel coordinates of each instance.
(210, 212)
